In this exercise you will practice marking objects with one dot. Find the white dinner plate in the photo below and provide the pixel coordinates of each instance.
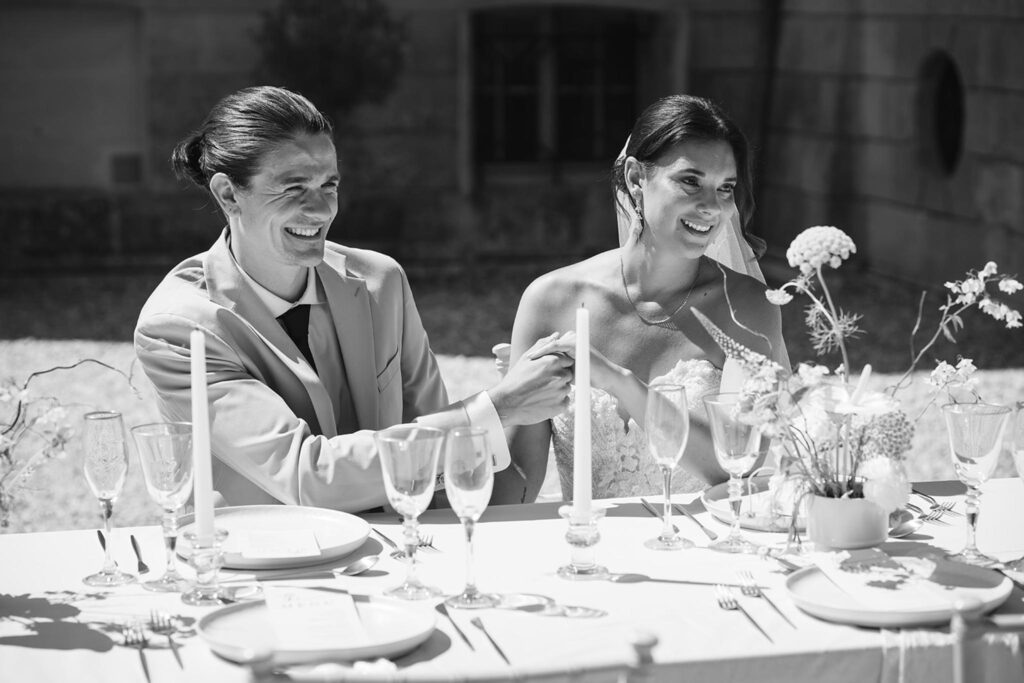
(755, 513)
(239, 632)
(337, 533)
(813, 592)
(756, 506)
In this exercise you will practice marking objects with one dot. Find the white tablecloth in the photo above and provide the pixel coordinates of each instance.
(53, 628)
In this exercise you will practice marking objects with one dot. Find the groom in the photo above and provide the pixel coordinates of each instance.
(311, 346)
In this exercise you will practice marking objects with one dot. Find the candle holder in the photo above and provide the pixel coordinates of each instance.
(207, 557)
(582, 536)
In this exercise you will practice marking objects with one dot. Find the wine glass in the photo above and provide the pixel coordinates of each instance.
(1017, 448)
(408, 460)
(165, 452)
(667, 423)
(106, 467)
(975, 433)
(738, 445)
(468, 480)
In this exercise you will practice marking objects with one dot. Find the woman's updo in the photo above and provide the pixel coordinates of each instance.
(678, 118)
(240, 129)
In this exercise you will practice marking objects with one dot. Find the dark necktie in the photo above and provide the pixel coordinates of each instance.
(295, 322)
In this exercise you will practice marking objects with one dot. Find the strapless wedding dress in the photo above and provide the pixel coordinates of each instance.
(620, 464)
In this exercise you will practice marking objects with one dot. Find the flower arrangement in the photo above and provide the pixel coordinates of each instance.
(834, 437)
(33, 430)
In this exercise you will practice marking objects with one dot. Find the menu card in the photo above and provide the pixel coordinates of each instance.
(314, 619)
(276, 543)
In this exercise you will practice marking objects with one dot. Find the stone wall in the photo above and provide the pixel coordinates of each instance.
(851, 142)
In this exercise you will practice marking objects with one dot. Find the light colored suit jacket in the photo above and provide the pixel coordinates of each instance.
(273, 434)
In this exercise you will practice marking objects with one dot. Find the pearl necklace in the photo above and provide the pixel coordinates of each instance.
(648, 321)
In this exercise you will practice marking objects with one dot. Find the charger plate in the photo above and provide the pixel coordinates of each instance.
(243, 631)
(337, 533)
(756, 505)
(985, 590)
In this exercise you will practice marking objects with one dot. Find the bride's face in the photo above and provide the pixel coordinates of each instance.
(688, 194)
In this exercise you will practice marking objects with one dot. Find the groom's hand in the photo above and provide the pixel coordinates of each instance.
(535, 389)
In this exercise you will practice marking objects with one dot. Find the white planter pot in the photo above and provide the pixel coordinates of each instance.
(845, 523)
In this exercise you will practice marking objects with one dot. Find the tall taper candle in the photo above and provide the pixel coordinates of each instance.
(203, 477)
(581, 437)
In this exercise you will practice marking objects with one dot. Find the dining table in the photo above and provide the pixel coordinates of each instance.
(656, 616)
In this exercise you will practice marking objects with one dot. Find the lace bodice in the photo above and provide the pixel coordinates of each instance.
(620, 464)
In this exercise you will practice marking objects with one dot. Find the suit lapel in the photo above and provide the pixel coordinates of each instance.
(229, 289)
(350, 308)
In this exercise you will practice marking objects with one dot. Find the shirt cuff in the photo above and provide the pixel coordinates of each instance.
(482, 413)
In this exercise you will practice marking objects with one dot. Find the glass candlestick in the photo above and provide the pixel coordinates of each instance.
(206, 558)
(582, 536)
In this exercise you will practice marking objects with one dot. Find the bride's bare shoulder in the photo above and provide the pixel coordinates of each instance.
(565, 285)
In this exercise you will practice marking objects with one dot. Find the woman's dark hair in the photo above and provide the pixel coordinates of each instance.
(240, 129)
(678, 118)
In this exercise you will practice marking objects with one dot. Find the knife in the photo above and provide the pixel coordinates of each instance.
(686, 513)
(650, 508)
(103, 541)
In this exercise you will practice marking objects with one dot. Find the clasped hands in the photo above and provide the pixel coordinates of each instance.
(536, 387)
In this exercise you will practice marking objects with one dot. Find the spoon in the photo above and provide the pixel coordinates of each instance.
(906, 528)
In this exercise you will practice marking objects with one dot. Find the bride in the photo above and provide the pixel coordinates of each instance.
(683, 199)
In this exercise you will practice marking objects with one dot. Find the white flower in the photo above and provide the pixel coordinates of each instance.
(990, 307)
(779, 297)
(54, 415)
(885, 483)
(1010, 285)
(965, 367)
(811, 375)
(953, 287)
(1013, 319)
(942, 375)
(989, 270)
(818, 245)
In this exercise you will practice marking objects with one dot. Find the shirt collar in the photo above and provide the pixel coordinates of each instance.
(276, 304)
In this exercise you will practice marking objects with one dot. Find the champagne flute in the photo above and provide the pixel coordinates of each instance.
(738, 445)
(667, 423)
(1018, 460)
(469, 479)
(165, 452)
(106, 467)
(975, 433)
(408, 459)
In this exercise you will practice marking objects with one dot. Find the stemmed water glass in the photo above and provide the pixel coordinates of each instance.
(667, 423)
(408, 460)
(975, 433)
(106, 467)
(737, 446)
(468, 480)
(165, 452)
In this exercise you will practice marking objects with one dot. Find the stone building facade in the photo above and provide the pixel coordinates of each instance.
(894, 120)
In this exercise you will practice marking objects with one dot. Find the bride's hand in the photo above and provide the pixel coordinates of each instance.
(604, 374)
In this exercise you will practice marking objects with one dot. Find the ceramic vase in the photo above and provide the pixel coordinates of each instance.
(845, 523)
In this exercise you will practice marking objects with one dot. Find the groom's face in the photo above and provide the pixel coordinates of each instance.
(688, 194)
(288, 207)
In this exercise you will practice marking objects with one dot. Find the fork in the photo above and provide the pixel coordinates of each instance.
(143, 567)
(162, 625)
(727, 601)
(134, 636)
(427, 541)
(947, 505)
(751, 589)
(933, 515)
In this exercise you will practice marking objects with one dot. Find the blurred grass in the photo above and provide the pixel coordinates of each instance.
(46, 321)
